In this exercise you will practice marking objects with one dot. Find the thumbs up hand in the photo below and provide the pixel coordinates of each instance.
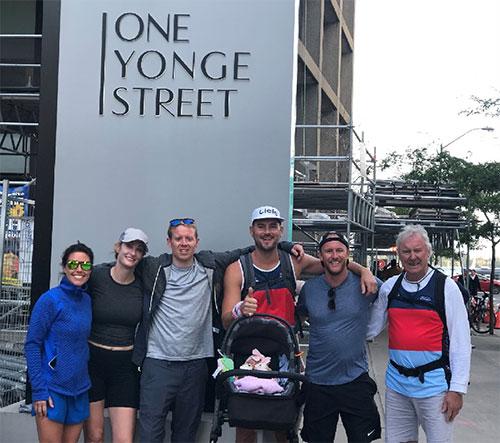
(249, 305)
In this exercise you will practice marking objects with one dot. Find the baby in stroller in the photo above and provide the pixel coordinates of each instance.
(249, 383)
(264, 393)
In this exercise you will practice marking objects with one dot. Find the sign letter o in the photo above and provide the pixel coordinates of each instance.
(118, 25)
(163, 64)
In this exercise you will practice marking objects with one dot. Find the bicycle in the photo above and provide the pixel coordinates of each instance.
(478, 308)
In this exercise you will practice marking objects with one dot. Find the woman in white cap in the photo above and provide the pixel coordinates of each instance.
(116, 310)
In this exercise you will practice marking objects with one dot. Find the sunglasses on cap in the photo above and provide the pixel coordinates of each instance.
(73, 264)
(181, 221)
(331, 299)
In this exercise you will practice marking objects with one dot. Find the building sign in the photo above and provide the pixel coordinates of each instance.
(149, 66)
(167, 109)
(18, 238)
(16, 200)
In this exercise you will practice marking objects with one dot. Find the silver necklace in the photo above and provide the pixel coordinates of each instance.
(418, 281)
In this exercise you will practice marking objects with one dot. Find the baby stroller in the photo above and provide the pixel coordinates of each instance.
(275, 338)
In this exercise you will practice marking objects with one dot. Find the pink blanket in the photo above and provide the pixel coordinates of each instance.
(256, 385)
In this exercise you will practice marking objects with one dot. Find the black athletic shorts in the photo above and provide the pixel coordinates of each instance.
(353, 402)
(114, 378)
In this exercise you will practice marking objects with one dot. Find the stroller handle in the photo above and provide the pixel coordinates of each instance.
(274, 317)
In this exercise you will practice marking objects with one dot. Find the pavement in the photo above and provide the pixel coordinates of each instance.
(479, 420)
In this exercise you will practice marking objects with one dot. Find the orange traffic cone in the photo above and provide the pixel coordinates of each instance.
(497, 318)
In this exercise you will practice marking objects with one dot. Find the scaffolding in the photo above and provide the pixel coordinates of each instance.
(339, 191)
(19, 104)
(16, 250)
(333, 191)
(436, 207)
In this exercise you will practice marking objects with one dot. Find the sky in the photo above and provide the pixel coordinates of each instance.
(416, 65)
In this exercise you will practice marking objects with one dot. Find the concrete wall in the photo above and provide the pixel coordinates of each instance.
(127, 156)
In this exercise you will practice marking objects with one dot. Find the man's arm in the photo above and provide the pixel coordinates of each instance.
(232, 293)
(224, 259)
(232, 305)
(459, 333)
(460, 349)
(378, 312)
(369, 284)
(301, 308)
(312, 265)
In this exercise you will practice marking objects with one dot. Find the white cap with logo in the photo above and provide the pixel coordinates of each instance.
(266, 212)
(133, 234)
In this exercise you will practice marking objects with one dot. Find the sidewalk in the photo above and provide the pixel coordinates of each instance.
(479, 419)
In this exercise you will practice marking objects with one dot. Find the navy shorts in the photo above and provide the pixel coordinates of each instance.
(68, 409)
(114, 378)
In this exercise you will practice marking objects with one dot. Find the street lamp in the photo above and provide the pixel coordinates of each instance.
(442, 147)
(485, 128)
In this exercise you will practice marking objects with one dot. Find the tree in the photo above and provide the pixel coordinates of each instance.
(479, 183)
(489, 107)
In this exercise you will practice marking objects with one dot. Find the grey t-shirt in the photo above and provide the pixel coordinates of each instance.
(337, 337)
(182, 325)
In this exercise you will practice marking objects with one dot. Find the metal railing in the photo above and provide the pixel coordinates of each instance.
(16, 249)
(333, 186)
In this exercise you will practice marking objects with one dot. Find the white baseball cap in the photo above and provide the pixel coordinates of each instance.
(266, 212)
(133, 234)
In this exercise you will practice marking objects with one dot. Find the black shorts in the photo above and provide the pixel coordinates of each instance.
(354, 403)
(114, 378)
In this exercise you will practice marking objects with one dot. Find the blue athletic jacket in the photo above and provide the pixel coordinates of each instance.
(56, 344)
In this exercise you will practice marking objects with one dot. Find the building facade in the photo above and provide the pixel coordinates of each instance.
(325, 83)
(323, 97)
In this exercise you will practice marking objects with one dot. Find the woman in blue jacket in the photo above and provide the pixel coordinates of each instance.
(57, 351)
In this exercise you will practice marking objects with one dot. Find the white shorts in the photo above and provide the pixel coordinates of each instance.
(403, 415)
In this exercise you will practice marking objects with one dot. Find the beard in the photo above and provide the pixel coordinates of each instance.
(343, 267)
(266, 247)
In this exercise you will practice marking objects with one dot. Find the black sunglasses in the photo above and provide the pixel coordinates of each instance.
(181, 221)
(331, 298)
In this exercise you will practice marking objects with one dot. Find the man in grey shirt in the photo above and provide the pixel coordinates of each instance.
(175, 337)
(182, 329)
(337, 367)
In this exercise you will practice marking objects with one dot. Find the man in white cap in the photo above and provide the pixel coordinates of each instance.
(268, 267)
(263, 281)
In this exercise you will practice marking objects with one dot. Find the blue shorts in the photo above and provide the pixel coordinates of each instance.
(68, 409)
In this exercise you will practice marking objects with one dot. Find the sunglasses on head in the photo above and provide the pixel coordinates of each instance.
(331, 298)
(73, 264)
(181, 221)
